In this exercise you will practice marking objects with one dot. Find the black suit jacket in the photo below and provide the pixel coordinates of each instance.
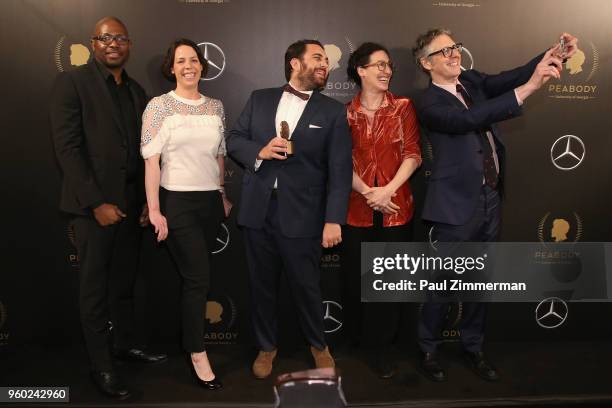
(314, 184)
(90, 141)
(455, 134)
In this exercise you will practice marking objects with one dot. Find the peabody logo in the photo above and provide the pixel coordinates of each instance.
(223, 239)
(216, 60)
(551, 313)
(577, 76)
(337, 86)
(69, 54)
(559, 229)
(452, 319)
(221, 314)
(567, 152)
(330, 319)
(330, 260)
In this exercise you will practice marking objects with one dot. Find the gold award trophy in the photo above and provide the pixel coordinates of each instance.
(284, 133)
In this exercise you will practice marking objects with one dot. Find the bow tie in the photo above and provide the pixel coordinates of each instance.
(303, 96)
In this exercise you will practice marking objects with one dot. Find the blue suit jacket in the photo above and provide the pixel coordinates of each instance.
(314, 184)
(455, 134)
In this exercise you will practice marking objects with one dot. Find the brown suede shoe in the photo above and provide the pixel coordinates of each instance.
(262, 367)
(322, 358)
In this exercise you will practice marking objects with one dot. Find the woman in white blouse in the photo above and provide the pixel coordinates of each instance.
(183, 146)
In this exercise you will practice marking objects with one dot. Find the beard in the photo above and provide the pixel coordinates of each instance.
(309, 80)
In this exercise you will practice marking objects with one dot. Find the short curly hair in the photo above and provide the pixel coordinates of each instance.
(361, 57)
(166, 67)
(421, 48)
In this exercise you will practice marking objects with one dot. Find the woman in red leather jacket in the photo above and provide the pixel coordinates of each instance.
(386, 152)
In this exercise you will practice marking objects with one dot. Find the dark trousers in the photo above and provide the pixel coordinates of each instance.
(109, 263)
(373, 324)
(194, 218)
(482, 227)
(269, 253)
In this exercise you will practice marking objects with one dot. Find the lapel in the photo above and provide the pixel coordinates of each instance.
(138, 105)
(452, 99)
(272, 107)
(313, 105)
(106, 98)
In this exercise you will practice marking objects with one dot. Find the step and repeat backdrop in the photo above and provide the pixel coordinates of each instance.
(558, 182)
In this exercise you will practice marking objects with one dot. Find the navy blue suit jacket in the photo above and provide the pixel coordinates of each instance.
(455, 134)
(313, 185)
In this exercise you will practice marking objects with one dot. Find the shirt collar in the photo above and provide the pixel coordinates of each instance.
(106, 73)
(309, 93)
(452, 88)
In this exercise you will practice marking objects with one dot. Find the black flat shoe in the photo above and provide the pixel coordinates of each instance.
(481, 366)
(110, 385)
(139, 356)
(431, 369)
(211, 385)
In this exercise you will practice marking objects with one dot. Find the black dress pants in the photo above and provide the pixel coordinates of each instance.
(109, 263)
(482, 227)
(194, 218)
(374, 324)
(269, 252)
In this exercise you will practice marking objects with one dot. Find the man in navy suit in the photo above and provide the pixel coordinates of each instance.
(458, 112)
(291, 205)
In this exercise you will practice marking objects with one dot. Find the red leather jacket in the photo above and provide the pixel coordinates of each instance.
(378, 154)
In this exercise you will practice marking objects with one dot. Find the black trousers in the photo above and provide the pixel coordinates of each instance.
(483, 227)
(269, 253)
(194, 218)
(374, 324)
(109, 263)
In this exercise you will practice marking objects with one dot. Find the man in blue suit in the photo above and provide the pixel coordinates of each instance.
(292, 204)
(458, 112)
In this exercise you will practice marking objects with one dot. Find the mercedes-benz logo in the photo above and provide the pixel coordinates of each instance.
(332, 323)
(216, 60)
(551, 313)
(468, 54)
(432, 243)
(223, 239)
(567, 152)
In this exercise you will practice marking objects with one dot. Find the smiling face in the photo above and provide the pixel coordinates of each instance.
(312, 70)
(443, 70)
(113, 55)
(372, 78)
(186, 67)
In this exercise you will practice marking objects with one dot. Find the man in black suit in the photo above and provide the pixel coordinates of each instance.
(458, 112)
(95, 116)
(290, 206)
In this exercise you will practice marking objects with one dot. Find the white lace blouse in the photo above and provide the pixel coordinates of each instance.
(189, 135)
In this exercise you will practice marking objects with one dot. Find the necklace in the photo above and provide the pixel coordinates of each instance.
(363, 105)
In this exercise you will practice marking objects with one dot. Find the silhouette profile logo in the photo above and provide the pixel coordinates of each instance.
(559, 230)
(76, 54)
(79, 55)
(556, 228)
(214, 311)
(334, 54)
(574, 64)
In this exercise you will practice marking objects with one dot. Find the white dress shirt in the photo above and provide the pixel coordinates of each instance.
(290, 109)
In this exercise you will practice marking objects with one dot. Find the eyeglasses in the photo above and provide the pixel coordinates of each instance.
(381, 65)
(448, 51)
(107, 39)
